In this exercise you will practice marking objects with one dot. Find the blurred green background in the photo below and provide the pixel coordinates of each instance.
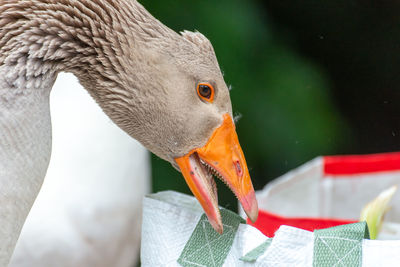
(309, 78)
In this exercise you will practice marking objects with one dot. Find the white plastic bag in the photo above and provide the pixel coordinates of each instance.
(175, 231)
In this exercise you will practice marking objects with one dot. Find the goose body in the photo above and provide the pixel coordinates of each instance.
(162, 88)
(90, 201)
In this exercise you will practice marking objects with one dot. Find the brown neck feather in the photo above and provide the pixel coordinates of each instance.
(91, 38)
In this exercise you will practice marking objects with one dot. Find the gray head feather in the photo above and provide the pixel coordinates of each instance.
(142, 74)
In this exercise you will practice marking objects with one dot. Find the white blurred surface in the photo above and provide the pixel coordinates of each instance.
(88, 211)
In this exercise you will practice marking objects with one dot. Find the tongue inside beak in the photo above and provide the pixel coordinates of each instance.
(222, 157)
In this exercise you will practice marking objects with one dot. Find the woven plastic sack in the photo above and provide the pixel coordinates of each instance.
(175, 232)
(323, 199)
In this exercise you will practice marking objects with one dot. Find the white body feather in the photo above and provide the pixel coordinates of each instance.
(88, 212)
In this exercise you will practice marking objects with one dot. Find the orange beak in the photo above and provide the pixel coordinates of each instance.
(223, 157)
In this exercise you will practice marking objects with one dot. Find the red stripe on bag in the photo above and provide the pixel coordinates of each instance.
(354, 164)
(268, 223)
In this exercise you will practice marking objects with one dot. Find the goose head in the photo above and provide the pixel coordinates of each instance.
(171, 96)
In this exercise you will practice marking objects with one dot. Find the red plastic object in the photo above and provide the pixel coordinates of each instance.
(355, 164)
(268, 223)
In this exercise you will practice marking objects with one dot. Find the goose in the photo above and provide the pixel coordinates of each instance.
(164, 89)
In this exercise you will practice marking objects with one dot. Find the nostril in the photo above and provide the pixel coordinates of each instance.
(238, 167)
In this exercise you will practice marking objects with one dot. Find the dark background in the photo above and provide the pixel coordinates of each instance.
(309, 78)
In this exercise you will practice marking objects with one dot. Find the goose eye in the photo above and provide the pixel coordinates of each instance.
(205, 91)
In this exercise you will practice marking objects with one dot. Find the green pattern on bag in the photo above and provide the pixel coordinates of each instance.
(335, 246)
(208, 248)
(340, 245)
(253, 254)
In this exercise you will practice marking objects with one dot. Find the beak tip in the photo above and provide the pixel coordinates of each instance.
(251, 209)
(220, 230)
(253, 216)
(217, 225)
